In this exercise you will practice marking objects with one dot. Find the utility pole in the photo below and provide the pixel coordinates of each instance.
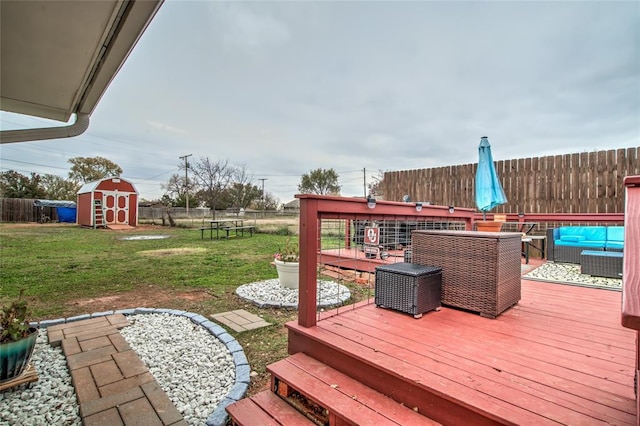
(186, 178)
(263, 179)
(364, 172)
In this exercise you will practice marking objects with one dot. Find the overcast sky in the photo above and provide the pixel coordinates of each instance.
(286, 87)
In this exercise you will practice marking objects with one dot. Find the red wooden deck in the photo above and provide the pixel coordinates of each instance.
(560, 356)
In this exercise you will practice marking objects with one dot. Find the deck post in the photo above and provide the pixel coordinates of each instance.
(307, 290)
(631, 270)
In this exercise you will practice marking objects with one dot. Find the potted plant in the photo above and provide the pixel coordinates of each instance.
(287, 265)
(494, 225)
(17, 339)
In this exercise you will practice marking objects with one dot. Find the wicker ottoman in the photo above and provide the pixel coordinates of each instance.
(601, 263)
(480, 270)
(407, 287)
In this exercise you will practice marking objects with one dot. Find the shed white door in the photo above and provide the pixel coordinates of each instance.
(115, 207)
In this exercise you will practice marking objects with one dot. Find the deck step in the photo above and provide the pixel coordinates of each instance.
(378, 371)
(329, 397)
(265, 408)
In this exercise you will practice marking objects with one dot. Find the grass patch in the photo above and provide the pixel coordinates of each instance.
(66, 270)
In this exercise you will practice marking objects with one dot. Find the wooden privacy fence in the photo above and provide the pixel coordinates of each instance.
(19, 210)
(588, 182)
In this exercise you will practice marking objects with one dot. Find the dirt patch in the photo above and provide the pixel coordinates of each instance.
(99, 300)
(173, 251)
(194, 295)
(149, 297)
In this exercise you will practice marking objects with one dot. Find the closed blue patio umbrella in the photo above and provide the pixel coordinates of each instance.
(489, 192)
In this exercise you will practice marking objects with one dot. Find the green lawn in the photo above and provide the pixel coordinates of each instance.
(55, 264)
(66, 270)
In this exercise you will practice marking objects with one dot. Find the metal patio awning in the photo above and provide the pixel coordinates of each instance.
(58, 57)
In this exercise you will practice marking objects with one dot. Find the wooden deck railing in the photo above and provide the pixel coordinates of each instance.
(631, 269)
(549, 220)
(315, 208)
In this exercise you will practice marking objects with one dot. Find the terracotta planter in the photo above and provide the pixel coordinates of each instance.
(488, 226)
(15, 356)
(288, 273)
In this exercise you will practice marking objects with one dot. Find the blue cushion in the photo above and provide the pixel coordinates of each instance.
(590, 233)
(614, 245)
(572, 238)
(585, 243)
(615, 233)
(602, 253)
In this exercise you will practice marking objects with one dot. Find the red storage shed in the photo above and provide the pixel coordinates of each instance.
(109, 201)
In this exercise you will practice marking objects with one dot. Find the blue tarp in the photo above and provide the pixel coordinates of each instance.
(54, 203)
(489, 192)
(66, 214)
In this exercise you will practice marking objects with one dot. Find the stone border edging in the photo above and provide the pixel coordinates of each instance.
(243, 370)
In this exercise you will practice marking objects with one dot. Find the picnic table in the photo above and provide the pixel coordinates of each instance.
(227, 227)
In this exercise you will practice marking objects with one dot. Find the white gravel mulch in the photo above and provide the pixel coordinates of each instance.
(568, 273)
(269, 294)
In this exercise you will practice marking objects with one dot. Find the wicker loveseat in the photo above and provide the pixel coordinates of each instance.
(564, 244)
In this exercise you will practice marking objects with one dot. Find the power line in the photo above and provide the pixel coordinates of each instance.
(153, 177)
(33, 164)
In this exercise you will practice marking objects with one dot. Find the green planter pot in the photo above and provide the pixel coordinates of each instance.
(15, 356)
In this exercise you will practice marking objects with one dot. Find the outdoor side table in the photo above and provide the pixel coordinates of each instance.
(480, 270)
(407, 287)
(541, 247)
(601, 263)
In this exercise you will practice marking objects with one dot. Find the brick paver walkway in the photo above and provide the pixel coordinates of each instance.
(240, 320)
(113, 386)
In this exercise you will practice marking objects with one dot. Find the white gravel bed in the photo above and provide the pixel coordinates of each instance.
(569, 273)
(191, 365)
(49, 401)
(269, 294)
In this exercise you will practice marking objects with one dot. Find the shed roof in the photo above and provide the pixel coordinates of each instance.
(92, 186)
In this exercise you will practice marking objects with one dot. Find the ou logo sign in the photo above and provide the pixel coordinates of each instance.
(371, 236)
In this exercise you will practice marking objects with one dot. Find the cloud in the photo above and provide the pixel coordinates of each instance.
(166, 128)
(246, 27)
(287, 87)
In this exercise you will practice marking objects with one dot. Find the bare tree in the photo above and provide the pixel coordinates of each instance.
(271, 202)
(176, 190)
(375, 187)
(213, 178)
(242, 192)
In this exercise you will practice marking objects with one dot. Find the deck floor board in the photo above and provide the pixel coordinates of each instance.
(447, 362)
(517, 373)
(559, 356)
